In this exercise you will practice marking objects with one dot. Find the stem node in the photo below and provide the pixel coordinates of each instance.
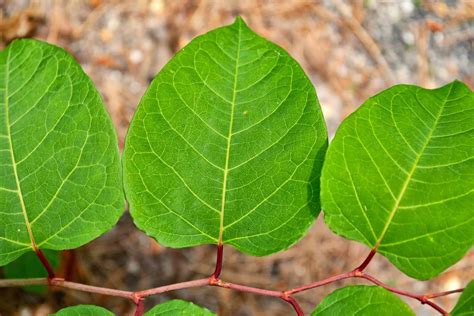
(136, 298)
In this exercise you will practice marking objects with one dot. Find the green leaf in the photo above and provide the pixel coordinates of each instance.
(465, 305)
(60, 183)
(399, 177)
(227, 146)
(178, 307)
(84, 310)
(29, 266)
(362, 300)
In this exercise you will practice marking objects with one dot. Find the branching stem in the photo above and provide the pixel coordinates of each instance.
(422, 298)
(214, 280)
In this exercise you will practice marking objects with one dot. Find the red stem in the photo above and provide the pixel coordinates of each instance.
(367, 260)
(140, 308)
(423, 299)
(321, 283)
(91, 289)
(137, 297)
(434, 295)
(219, 258)
(244, 288)
(295, 305)
(45, 263)
(335, 278)
(172, 287)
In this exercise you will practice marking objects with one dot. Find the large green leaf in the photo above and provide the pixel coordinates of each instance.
(227, 146)
(465, 305)
(28, 266)
(60, 183)
(83, 310)
(399, 177)
(362, 300)
(178, 308)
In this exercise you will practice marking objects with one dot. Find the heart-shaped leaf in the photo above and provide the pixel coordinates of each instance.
(226, 146)
(178, 308)
(465, 305)
(399, 177)
(60, 183)
(84, 310)
(362, 300)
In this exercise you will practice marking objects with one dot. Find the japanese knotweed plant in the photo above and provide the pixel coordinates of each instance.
(229, 147)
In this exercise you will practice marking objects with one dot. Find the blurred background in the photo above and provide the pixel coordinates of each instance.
(350, 50)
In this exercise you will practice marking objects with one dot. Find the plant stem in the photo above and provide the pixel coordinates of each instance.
(423, 299)
(137, 297)
(45, 263)
(23, 282)
(295, 305)
(172, 287)
(321, 283)
(367, 260)
(214, 280)
(219, 258)
(335, 278)
(140, 308)
(58, 282)
(244, 288)
(434, 295)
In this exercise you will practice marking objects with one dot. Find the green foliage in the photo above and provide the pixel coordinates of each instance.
(84, 310)
(465, 305)
(362, 300)
(178, 308)
(170, 308)
(227, 145)
(60, 183)
(29, 266)
(399, 177)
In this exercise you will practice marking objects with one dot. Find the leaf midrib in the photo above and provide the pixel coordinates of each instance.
(229, 138)
(411, 172)
(12, 154)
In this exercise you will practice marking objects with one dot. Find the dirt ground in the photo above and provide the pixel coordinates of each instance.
(350, 49)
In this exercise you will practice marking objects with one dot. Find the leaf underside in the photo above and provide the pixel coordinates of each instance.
(227, 146)
(399, 177)
(60, 183)
(84, 310)
(362, 300)
(178, 308)
(170, 308)
(465, 305)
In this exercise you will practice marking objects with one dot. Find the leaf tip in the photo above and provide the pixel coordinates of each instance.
(457, 82)
(239, 21)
